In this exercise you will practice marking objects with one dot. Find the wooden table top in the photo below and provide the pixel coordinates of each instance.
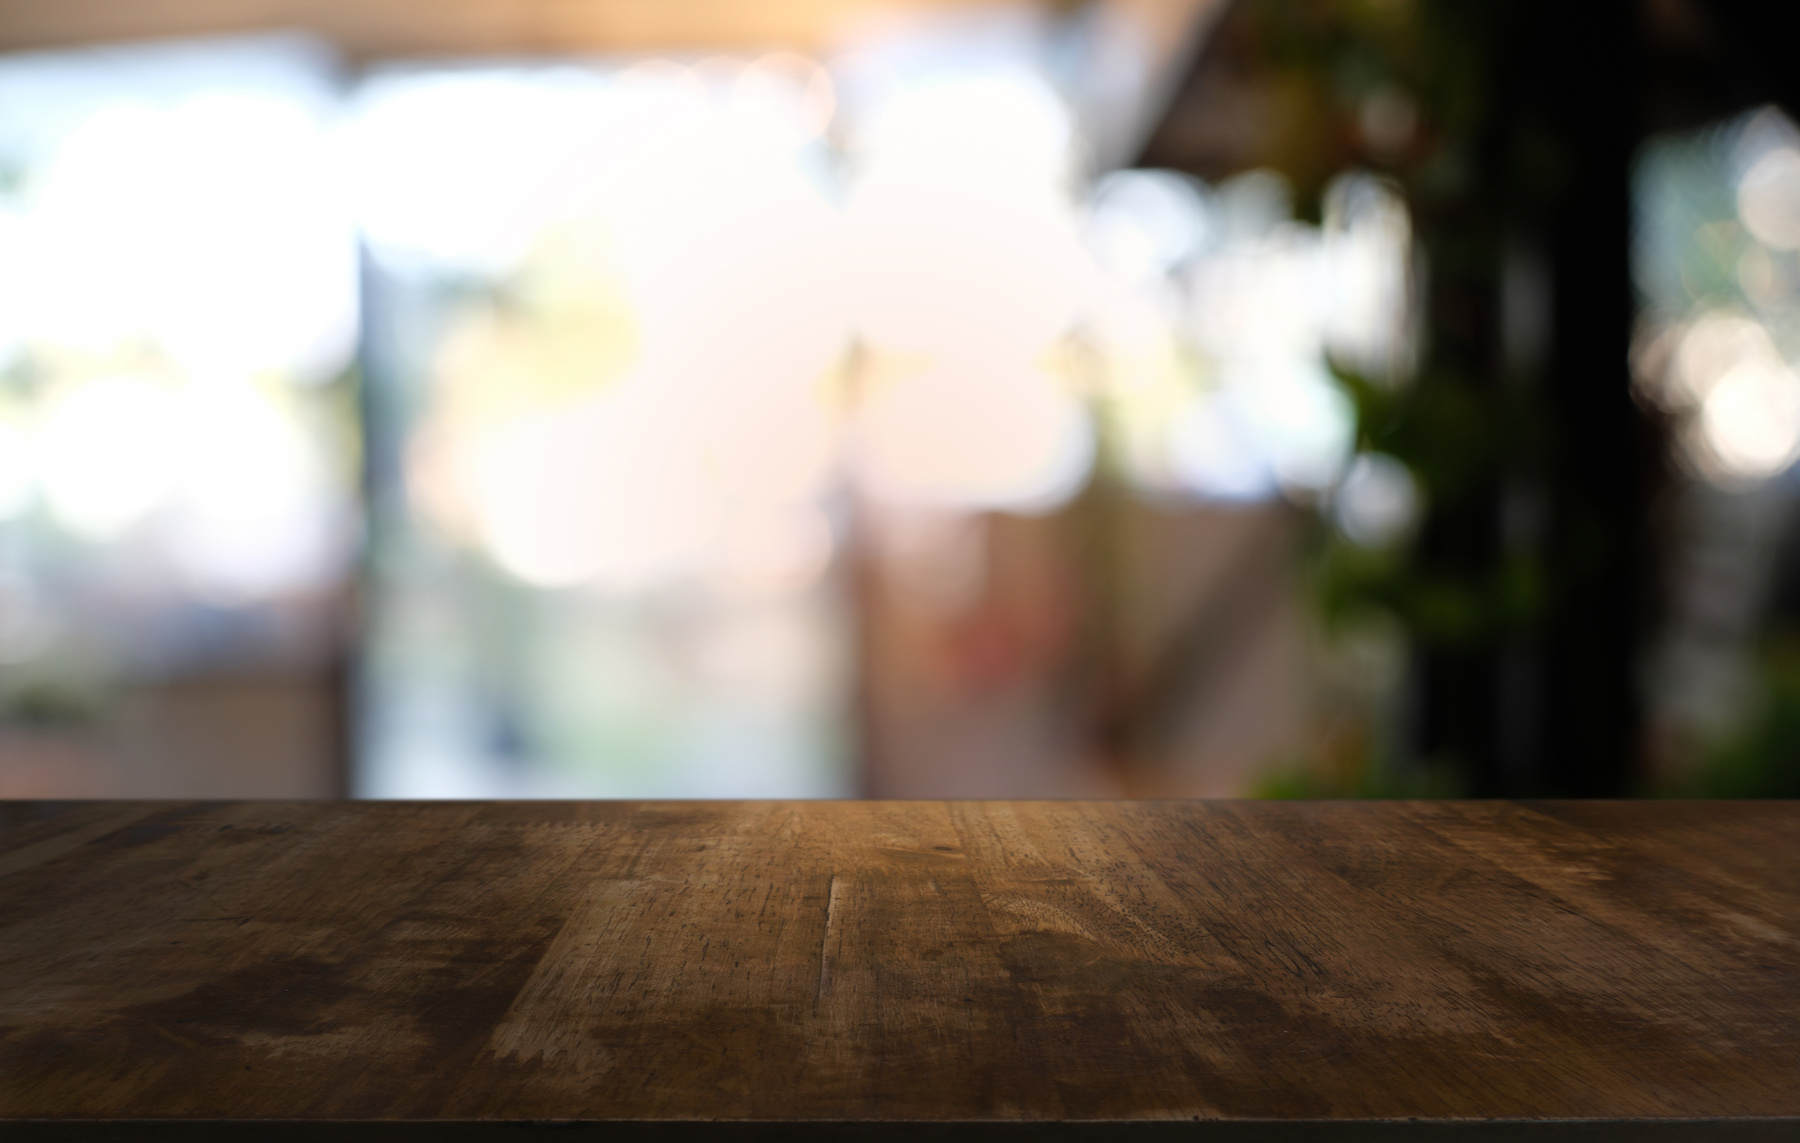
(1204, 970)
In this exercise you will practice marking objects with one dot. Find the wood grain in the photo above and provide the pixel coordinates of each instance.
(1205, 967)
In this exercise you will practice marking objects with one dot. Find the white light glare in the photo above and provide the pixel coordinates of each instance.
(962, 239)
(255, 517)
(1009, 126)
(1280, 424)
(109, 453)
(1145, 223)
(611, 491)
(1712, 346)
(950, 268)
(212, 224)
(1214, 451)
(250, 511)
(1368, 254)
(1751, 419)
(975, 436)
(463, 169)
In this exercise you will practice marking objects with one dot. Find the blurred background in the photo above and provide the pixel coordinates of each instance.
(932, 398)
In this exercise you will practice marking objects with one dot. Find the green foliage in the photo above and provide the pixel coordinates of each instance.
(1454, 435)
(1472, 435)
(1761, 760)
(1367, 775)
(1455, 438)
(52, 696)
(1439, 607)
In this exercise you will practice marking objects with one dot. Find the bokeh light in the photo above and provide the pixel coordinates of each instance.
(1751, 419)
(1768, 198)
(205, 219)
(975, 435)
(179, 314)
(661, 355)
(1377, 502)
(109, 452)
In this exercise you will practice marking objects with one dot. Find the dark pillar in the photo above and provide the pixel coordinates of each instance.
(1578, 85)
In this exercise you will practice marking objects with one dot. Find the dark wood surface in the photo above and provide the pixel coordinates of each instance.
(1217, 970)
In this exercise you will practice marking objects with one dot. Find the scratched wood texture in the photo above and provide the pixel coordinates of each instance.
(866, 961)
